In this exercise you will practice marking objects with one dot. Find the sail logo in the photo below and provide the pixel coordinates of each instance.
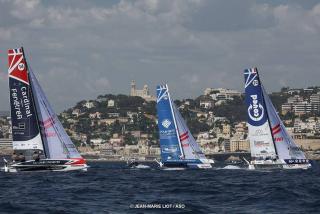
(166, 123)
(21, 66)
(278, 139)
(253, 110)
(162, 93)
(171, 149)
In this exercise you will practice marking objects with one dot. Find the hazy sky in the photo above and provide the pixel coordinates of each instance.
(79, 49)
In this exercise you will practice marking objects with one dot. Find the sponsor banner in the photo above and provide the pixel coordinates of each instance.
(256, 109)
(297, 161)
(261, 143)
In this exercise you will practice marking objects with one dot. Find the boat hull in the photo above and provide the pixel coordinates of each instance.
(48, 165)
(277, 165)
(197, 164)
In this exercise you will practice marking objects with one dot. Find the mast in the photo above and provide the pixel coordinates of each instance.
(175, 122)
(34, 104)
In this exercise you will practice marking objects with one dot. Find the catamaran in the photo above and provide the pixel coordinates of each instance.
(179, 150)
(39, 139)
(271, 145)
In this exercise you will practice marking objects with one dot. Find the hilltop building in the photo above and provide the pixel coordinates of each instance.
(144, 93)
(220, 95)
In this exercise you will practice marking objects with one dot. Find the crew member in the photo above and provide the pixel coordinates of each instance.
(36, 156)
(22, 158)
(15, 157)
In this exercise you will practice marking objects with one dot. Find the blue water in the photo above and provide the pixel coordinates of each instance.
(112, 188)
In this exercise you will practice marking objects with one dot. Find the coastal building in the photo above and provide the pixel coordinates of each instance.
(5, 143)
(154, 151)
(311, 125)
(76, 112)
(96, 141)
(95, 115)
(222, 91)
(101, 99)
(131, 150)
(308, 90)
(220, 95)
(206, 103)
(89, 104)
(109, 121)
(293, 91)
(113, 115)
(226, 144)
(111, 103)
(237, 145)
(315, 101)
(299, 106)
(116, 140)
(144, 93)
(303, 108)
(226, 129)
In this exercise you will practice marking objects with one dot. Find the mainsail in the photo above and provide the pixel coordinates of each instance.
(169, 140)
(260, 136)
(176, 140)
(25, 129)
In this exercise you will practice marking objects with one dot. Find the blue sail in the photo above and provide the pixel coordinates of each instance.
(25, 129)
(169, 140)
(260, 136)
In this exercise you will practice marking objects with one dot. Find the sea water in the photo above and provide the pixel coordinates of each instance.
(110, 187)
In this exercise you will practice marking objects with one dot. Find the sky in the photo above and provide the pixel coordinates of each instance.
(79, 49)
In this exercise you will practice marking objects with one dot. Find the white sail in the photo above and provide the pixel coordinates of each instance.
(58, 143)
(190, 147)
(33, 144)
(286, 148)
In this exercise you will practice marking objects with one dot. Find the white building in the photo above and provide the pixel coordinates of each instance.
(97, 141)
(89, 104)
(95, 115)
(299, 106)
(76, 112)
(144, 93)
(207, 103)
(110, 103)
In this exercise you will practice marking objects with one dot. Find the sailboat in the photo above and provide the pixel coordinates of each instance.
(271, 145)
(179, 150)
(39, 139)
